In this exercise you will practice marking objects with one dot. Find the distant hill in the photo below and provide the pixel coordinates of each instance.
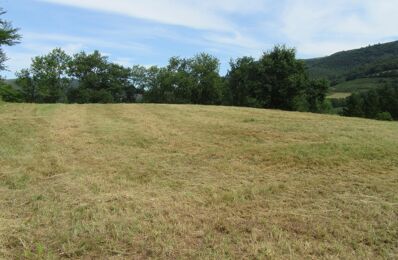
(364, 68)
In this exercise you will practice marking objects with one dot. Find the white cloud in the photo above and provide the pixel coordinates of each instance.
(191, 13)
(323, 27)
(82, 41)
(124, 61)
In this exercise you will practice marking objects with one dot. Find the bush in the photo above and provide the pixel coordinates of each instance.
(78, 95)
(326, 107)
(9, 94)
(385, 116)
(101, 96)
(338, 102)
(300, 104)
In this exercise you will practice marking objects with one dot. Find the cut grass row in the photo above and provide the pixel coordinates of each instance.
(170, 181)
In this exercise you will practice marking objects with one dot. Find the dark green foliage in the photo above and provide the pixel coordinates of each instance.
(276, 80)
(28, 88)
(9, 94)
(8, 36)
(389, 99)
(195, 81)
(243, 83)
(102, 96)
(46, 81)
(385, 116)
(316, 94)
(79, 95)
(371, 104)
(99, 81)
(354, 106)
(338, 102)
(371, 61)
(207, 87)
(380, 104)
(83, 78)
(282, 78)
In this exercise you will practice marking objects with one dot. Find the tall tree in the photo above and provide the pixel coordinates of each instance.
(28, 86)
(371, 103)
(315, 92)
(283, 78)
(243, 82)
(207, 88)
(8, 36)
(194, 80)
(46, 80)
(354, 106)
(100, 81)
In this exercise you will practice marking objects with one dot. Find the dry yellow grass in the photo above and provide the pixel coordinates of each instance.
(170, 181)
(339, 95)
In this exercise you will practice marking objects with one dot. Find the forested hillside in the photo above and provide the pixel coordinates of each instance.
(377, 61)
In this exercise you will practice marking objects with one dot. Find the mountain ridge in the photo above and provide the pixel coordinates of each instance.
(374, 61)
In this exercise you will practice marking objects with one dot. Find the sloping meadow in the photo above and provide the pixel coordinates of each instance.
(180, 181)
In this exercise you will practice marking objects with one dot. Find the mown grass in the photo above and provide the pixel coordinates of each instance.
(176, 181)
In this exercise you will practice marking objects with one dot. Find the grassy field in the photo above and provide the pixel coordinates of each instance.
(174, 181)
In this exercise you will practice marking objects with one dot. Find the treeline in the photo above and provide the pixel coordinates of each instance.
(82, 78)
(276, 80)
(381, 104)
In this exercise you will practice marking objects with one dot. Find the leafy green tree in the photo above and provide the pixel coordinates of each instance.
(207, 88)
(46, 80)
(8, 37)
(152, 85)
(9, 93)
(138, 80)
(385, 116)
(120, 85)
(276, 80)
(316, 95)
(99, 81)
(354, 106)
(283, 78)
(181, 79)
(371, 103)
(90, 70)
(379, 104)
(389, 99)
(243, 82)
(194, 80)
(28, 87)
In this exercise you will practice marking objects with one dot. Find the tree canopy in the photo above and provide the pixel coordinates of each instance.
(9, 36)
(276, 80)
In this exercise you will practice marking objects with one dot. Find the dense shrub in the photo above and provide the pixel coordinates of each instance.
(380, 104)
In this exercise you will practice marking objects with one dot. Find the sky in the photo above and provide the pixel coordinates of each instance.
(149, 32)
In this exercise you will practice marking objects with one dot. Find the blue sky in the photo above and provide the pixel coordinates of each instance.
(149, 32)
